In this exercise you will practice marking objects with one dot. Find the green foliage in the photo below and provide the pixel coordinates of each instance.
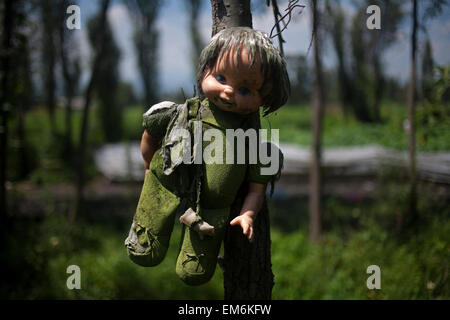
(47, 155)
(126, 95)
(132, 126)
(362, 234)
(294, 123)
(39, 254)
(433, 117)
(302, 83)
(45, 152)
(356, 235)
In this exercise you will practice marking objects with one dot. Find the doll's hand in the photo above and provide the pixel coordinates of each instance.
(245, 220)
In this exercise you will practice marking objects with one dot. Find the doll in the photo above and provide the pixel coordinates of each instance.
(239, 72)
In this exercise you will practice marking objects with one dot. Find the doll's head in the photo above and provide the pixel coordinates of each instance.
(240, 71)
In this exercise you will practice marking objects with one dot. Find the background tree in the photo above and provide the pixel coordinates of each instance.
(22, 90)
(107, 80)
(427, 70)
(412, 215)
(17, 93)
(301, 88)
(49, 17)
(146, 41)
(377, 42)
(433, 9)
(71, 72)
(315, 170)
(194, 7)
(360, 70)
(8, 21)
(361, 76)
(337, 28)
(433, 111)
(99, 52)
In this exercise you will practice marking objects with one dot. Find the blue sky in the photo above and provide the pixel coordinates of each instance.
(175, 69)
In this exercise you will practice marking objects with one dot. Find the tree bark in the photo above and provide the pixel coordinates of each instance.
(230, 13)
(412, 215)
(70, 82)
(146, 41)
(247, 266)
(68, 90)
(84, 125)
(315, 170)
(49, 60)
(8, 15)
(194, 7)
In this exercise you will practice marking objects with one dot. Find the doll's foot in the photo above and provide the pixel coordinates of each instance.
(195, 222)
(132, 243)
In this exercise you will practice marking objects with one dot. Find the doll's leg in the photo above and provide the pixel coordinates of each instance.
(197, 258)
(149, 236)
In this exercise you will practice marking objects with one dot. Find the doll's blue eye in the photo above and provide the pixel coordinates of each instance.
(221, 79)
(244, 91)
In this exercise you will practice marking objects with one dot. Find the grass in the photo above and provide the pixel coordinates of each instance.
(355, 235)
(294, 123)
(39, 270)
(335, 269)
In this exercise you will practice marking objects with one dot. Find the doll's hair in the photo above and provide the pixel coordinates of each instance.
(276, 86)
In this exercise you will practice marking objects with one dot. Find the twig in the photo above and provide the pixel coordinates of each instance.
(291, 6)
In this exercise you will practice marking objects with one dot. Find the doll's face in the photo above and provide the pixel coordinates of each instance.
(232, 85)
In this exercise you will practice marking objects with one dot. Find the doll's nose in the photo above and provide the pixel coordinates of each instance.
(228, 91)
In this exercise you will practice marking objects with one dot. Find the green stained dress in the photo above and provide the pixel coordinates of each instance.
(171, 187)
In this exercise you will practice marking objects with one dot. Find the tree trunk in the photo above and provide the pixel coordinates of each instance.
(412, 215)
(378, 88)
(146, 41)
(68, 84)
(194, 7)
(247, 269)
(49, 60)
(230, 13)
(8, 15)
(315, 170)
(247, 266)
(337, 31)
(84, 125)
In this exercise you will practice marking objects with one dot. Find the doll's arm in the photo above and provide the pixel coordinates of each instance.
(149, 145)
(252, 204)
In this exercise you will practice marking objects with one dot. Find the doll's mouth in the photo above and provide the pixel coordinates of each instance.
(226, 103)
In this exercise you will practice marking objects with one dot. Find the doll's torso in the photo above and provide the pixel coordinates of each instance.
(220, 181)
